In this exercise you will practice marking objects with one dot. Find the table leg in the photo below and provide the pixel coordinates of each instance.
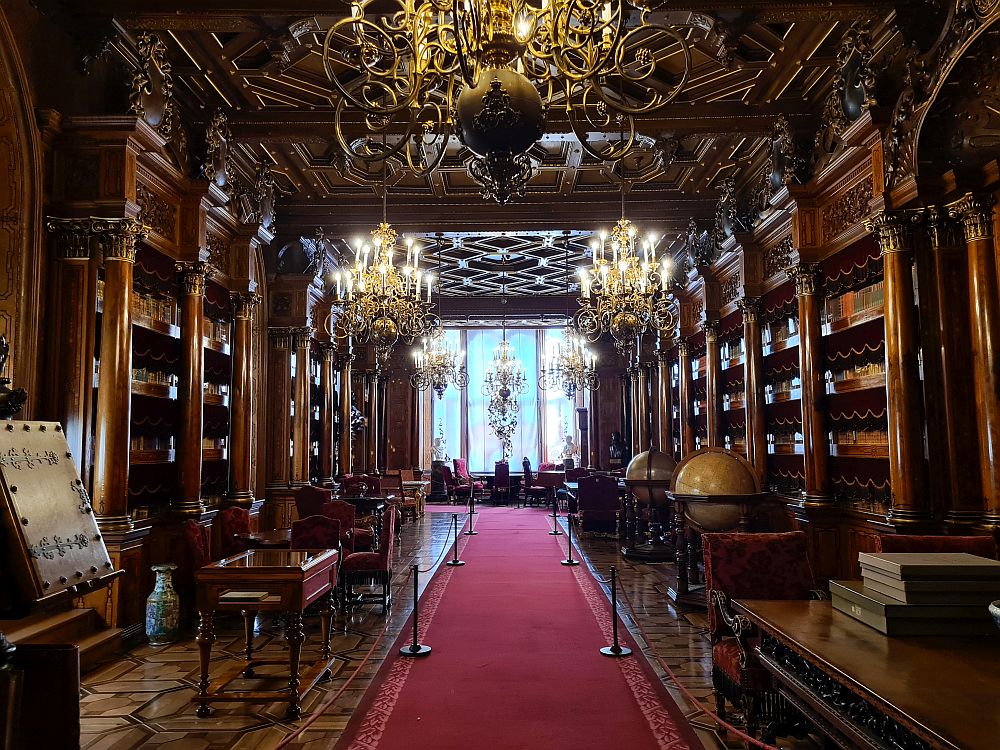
(325, 617)
(249, 617)
(205, 639)
(294, 635)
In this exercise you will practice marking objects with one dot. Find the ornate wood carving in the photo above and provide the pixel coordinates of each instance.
(730, 288)
(152, 88)
(777, 258)
(219, 251)
(157, 213)
(217, 138)
(847, 210)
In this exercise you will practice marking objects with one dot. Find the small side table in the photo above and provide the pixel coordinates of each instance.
(265, 580)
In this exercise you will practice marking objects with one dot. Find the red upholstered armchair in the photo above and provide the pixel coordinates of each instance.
(352, 538)
(598, 504)
(232, 521)
(309, 500)
(749, 566)
(360, 566)
(983, 546)
(465, 485)
(532, 492)
(546, 466)
(448, 479)
(501, 482)
(361, 485)
(316, 532)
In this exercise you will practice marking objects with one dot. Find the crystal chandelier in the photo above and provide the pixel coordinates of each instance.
(420, 71)
(626, 292)
(438, 364)
(570, 366)
(381, 302)
(504, 382)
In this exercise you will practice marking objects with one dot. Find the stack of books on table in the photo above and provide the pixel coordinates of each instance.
(905, 593)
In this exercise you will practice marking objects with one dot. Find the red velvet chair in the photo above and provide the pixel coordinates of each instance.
(983, 546)
(547, 466)
(352, 538)
(316, 532)
(463, 478)
(598, 504)
(501, 482)
(450, 486)
(361, 485)
(197, 548)
(749, 566)
(232, 521)
(309, 500)
(529, 489)
(377, 565)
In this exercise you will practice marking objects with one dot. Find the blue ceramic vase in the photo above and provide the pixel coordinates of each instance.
(162, 608)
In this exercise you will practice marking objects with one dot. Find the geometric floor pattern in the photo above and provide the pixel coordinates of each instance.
(143, 700)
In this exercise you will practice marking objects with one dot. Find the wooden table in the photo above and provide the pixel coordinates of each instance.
(374, 506)
(273, 539)
(866, 690)
(280, 581)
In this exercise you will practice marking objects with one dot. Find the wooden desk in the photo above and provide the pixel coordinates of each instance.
(866, 690)
(291, 580)
(273, 539)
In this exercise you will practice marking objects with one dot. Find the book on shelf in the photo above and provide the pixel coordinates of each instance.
(893, 617)
(906, 566)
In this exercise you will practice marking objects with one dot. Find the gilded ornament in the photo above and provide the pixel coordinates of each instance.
(244, 304)
(192, 277)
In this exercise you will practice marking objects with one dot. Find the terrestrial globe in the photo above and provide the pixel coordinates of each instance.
(648, 476)
(715, 472)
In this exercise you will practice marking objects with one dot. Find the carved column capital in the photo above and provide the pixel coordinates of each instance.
(683, 347)
(192, 277)
(244, 304)
(281, 338)
(943, 229)
(750, 307)
(117, 237)
(72, 237)
(302, 337)
(329, 351)
(806, 277)
(976, 214)
(711, 328)
(894, 230)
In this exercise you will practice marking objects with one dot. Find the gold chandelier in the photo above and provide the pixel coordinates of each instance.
(570, 366)
(438, 364)
(504, 382)
(380, 301)
(419, 71)
(626, 292)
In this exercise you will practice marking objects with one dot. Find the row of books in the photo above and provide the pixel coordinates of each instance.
(217, 330)
(217, 389)
(905, 593)
(156, 308)
(214, 443)
(152, 442)
(860, 437)
(142, 375)
(779, 331)
(851, 303)
(857, 371)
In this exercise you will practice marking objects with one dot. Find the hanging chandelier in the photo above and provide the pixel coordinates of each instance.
(381, 302)
(420, 71)
(504, 382)
(438, 365)
(626, 292)
(570, 366)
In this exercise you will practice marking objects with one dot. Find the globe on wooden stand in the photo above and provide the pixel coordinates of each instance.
(648, 478)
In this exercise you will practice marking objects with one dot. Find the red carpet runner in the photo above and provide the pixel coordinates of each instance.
(515, 661)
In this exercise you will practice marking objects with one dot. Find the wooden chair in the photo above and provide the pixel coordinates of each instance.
(309, 500)
(352, 537)
(377, 565)
(501, 482)
(316, 532)
(450, 485)
(232, 521)
(361, 485)
(750, 566)
(529, 489)
(463, 479)
(983, 546)
(598, 504)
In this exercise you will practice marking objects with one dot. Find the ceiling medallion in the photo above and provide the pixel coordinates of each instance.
(487, 70)
(626, 292)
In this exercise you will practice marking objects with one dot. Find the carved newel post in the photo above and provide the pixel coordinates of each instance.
(816, 446)
(117, 239)
(191, 397)
(242, 402)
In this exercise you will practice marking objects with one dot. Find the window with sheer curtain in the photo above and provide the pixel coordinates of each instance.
(462, 417)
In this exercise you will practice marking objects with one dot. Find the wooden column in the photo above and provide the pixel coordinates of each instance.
(633, 409)
(753, 387)
(816, 445)
(685, 407)
(191, 396)
(911, 501)
(644, 409)
(371, 382)
(976, 214)
(327, 411)
(594, 428)
(301, 447)
(713, 385)
(117, 239)
(73, 305)
(664, 397)
(963, 496)
(279, 386)
(241, 428)
(344, 454)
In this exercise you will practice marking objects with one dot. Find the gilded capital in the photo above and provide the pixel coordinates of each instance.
(192, 277)
(329, 351)
(711, 328)
(805, 276)
(944, 231)
(302, 337)
(750, 307)
(281, 338)
(894, 230)
(975, 211)
(244, 304)
(72, 237)
(117, 237)
(683, 348)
